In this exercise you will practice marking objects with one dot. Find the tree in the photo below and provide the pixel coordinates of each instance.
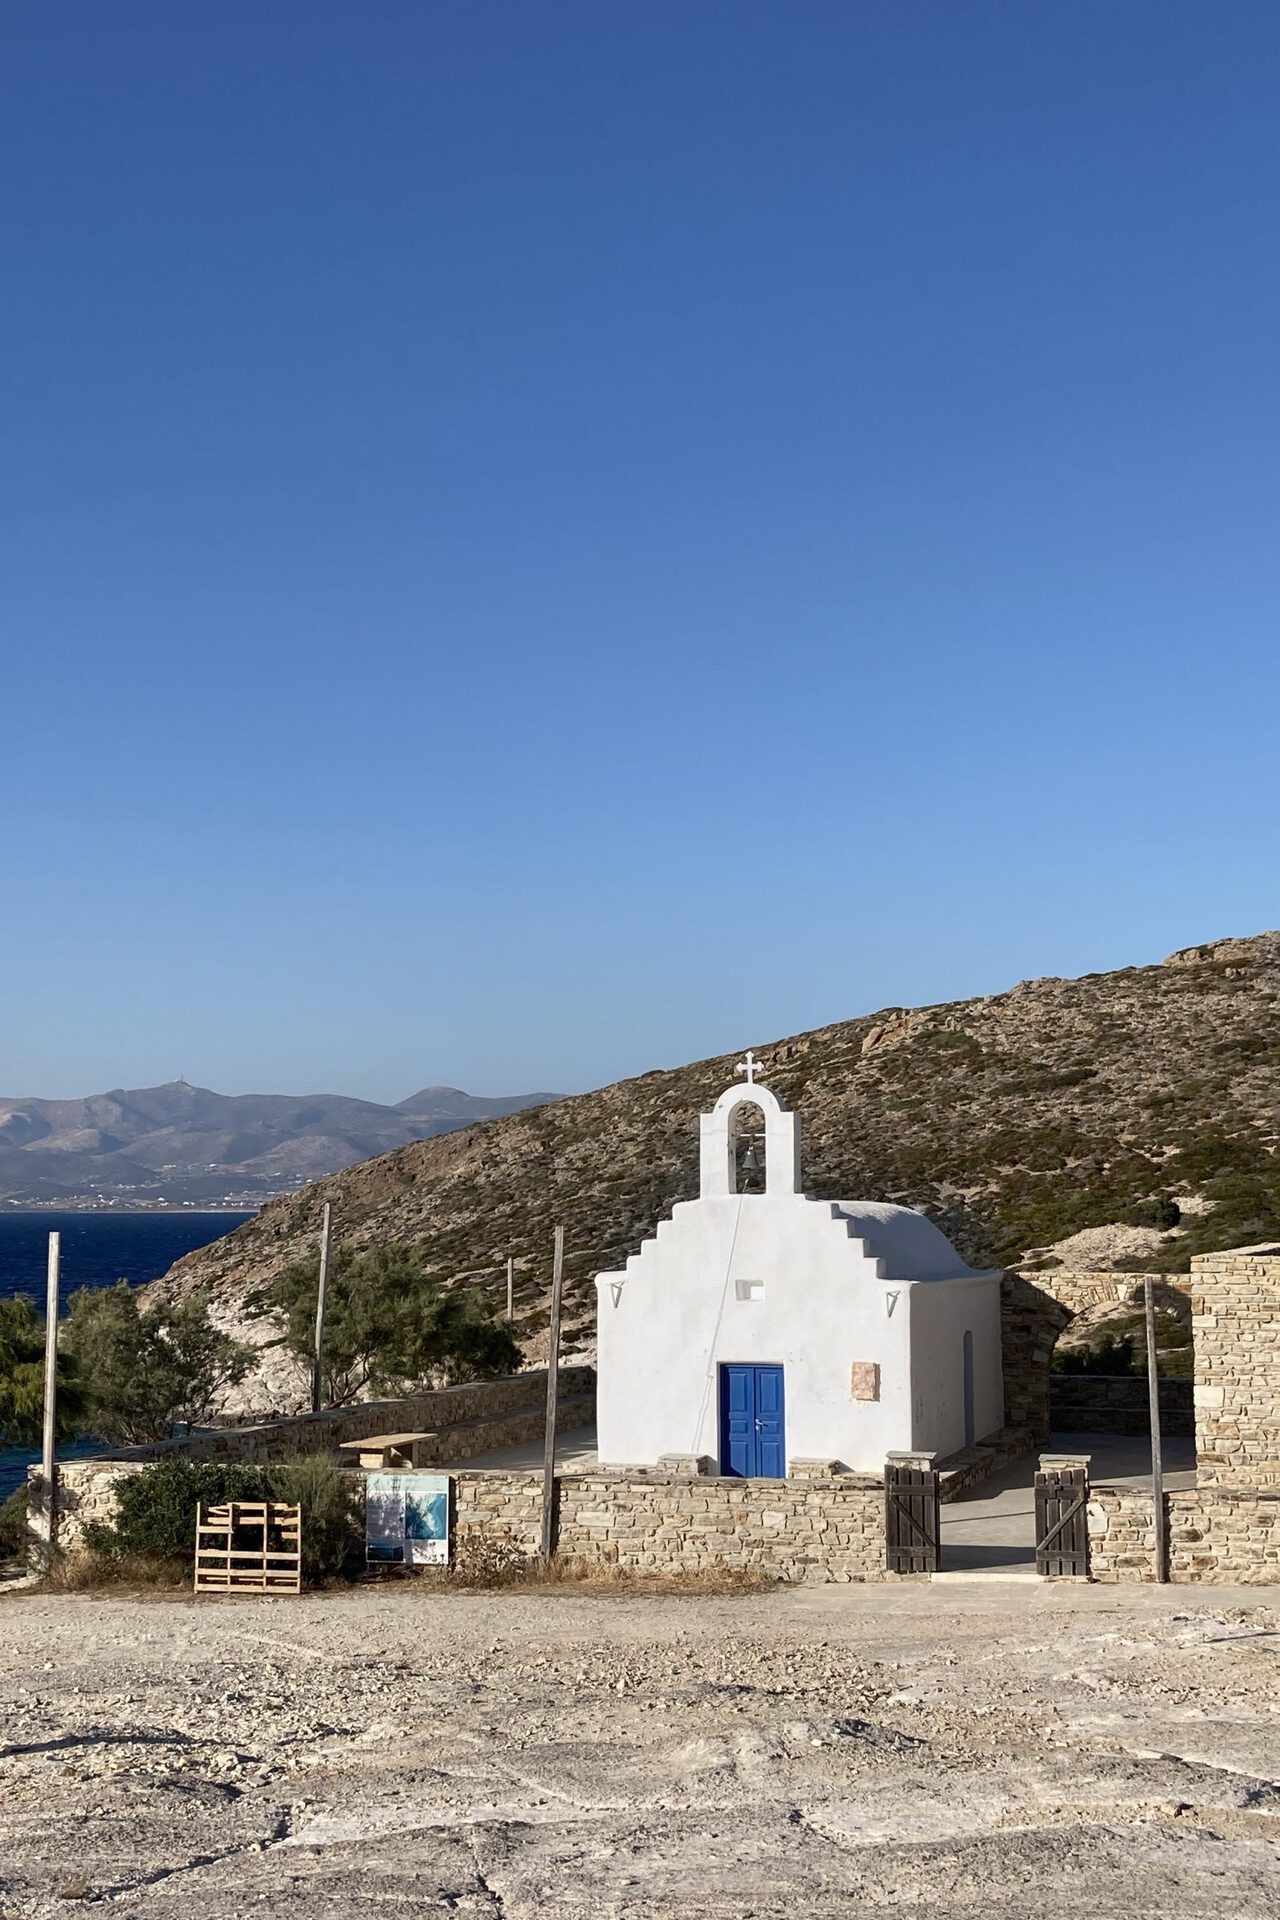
(22, 1377)
(389, 1324)
(147, 1370)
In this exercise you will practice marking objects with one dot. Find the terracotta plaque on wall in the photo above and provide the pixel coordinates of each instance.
(866, 1380)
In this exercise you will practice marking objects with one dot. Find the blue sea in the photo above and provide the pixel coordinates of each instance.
(97, 1250)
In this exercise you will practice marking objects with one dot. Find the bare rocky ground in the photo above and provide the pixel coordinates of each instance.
(1007, 1749)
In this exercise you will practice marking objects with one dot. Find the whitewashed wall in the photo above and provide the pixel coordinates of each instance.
(829, 1284)
(941, 1313)
(673, 1317)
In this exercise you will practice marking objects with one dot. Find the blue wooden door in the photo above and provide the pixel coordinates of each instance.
(752, 1431)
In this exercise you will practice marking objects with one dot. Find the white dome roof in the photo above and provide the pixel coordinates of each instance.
(911, 1247)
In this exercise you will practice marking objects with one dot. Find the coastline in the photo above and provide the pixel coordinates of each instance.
(111, 1210)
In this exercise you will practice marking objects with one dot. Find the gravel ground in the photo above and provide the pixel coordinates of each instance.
(1003, 1749)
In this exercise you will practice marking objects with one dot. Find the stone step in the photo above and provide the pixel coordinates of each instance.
(968, 1576)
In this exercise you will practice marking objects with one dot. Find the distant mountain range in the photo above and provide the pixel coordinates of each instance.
(181, 1144)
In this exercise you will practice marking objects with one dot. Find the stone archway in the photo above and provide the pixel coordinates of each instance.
(1030, 1323)
(1034, 1311)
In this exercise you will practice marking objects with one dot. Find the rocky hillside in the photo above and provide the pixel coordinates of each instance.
(1146, 1101)
(1119, 1101)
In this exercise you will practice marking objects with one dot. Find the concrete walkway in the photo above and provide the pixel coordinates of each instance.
(993, 1529)
(575, 1453)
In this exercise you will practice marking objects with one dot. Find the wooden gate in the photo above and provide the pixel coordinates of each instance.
(911, 1514)
(1062, 1519)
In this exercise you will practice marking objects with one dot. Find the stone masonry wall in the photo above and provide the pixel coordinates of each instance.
(446, 1407)
(86, 1493)
(468, 1419)
(1235, 1320)
(1216, 1535)
(484, 1407)
(820, 1528)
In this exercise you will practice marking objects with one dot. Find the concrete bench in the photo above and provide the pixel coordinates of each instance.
(387, 1449)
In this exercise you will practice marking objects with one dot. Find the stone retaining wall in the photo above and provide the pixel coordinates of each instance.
(478, 1400)
(820, 1528)
(1215, 1534)
(86, 1494)
(1105, 1403)
(466, 1420)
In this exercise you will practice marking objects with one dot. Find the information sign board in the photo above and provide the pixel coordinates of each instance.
(407, 1519)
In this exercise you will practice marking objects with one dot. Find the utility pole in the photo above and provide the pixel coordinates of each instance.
(1157, 1460)
(553, 1372)
(511, 1289)
(47, 1468)
(317, 1367)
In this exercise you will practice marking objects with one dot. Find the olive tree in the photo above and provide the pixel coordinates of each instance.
(146, 1368)
(22, 1331)
(390, 1326)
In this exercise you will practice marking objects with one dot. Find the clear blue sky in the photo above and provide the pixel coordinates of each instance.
(542, 541)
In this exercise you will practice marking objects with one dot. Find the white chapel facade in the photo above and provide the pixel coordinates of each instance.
(757, 1329)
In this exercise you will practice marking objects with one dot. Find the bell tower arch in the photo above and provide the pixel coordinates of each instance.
(719, 1139)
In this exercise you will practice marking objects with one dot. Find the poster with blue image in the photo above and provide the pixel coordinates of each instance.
(407, 1519)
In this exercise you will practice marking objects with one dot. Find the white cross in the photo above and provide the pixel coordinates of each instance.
(750, 1066)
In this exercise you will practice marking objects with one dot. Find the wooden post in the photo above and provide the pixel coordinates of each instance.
(47, 1468)
(511, 1289)
(553, 1371)
(1157, 1461)
(317, 1368)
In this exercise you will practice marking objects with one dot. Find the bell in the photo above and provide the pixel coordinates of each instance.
(751, 1168)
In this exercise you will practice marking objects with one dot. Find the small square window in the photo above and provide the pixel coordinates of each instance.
(750, 1289)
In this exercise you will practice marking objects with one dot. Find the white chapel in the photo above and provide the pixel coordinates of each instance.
(760, 1328)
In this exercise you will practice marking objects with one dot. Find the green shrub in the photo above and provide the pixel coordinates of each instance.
(13, 1526)
(22, 1333)
(148, 1369)
(1112, 1354)
(390, 1324)
(1121, 1348)
(156, 1518)
(156, 1514)
(332, 1515)
(1158, 1212)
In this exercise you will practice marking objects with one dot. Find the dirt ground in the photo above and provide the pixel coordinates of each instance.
(1009, 1750)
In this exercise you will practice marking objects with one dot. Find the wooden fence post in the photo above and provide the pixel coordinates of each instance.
(1157, 1455)
(47, 1452)
(317, 1365)
(553, 1371)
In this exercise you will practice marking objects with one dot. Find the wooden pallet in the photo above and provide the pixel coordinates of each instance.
(230, 1560)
